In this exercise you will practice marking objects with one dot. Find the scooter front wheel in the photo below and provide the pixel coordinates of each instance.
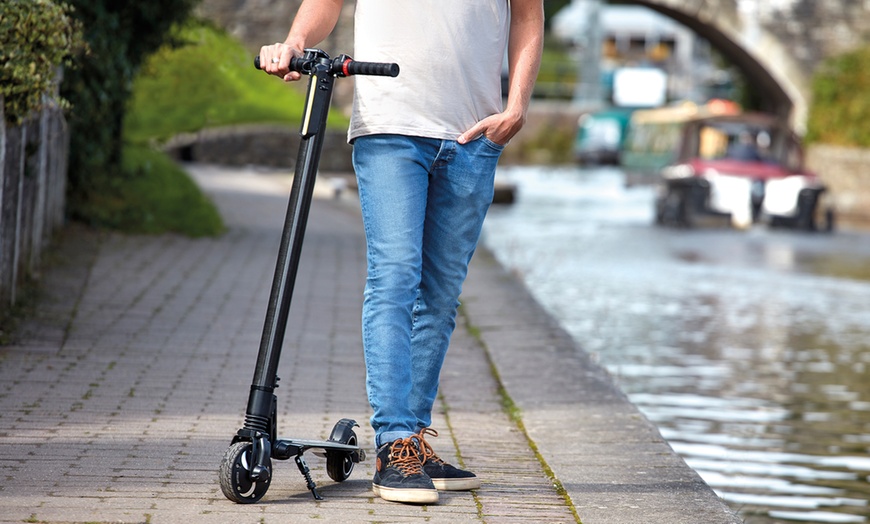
(235, 475)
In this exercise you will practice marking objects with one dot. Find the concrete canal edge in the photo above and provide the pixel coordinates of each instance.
(610, 460)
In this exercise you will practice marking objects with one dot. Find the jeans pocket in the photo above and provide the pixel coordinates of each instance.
(490, 143)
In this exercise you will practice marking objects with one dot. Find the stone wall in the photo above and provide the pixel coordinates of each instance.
(276, 145)
(259, 22)
(265, 145)
(846, 172)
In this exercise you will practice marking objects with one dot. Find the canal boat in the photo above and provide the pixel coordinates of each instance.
(653, 136)
(740, 169)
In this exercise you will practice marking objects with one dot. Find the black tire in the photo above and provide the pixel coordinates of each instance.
(806, 220)
(830, 221)
(339, 464)
(806, 216)
(688, 210)
(670, 208)
(235, 480)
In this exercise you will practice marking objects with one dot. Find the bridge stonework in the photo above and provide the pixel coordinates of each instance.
(779, 44)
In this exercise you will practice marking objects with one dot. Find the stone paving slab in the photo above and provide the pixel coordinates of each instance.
(121, 394)
(611, 461)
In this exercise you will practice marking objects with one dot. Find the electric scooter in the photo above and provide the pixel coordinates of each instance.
(246, 468)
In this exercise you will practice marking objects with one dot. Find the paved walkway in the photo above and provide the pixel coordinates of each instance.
(119, 398)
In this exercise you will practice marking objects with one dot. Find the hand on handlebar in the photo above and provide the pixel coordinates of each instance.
(275, 60)
(281, 60)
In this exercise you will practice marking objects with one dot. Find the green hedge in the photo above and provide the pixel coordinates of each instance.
(37, 37)
(840, 109)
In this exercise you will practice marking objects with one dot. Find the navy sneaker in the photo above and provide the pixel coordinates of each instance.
(399, 475)
(444, 476)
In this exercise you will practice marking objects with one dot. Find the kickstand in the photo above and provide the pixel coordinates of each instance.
(303, 468)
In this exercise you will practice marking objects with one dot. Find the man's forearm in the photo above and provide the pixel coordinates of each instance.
(313, 22)
(524, 52)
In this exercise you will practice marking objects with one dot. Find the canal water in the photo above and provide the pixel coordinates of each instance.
(749, 350)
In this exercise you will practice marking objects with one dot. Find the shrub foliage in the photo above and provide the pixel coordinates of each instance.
(36, 38)
(841, 104)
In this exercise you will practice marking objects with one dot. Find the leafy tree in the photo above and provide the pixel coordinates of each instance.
(119, 35)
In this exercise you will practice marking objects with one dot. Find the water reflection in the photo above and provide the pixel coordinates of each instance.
(747, 349)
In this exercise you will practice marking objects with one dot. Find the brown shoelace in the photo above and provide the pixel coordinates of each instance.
(405, 457)
(426, 451)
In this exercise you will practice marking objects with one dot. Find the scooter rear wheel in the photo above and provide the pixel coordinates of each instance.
(339, 464)
(235, 475)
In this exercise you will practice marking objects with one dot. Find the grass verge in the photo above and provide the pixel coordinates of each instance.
(208, 80)
(153, 195)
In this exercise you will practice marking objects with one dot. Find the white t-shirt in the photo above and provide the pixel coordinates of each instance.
(450, 55)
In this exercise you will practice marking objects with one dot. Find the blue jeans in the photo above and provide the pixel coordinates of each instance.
(423, 203)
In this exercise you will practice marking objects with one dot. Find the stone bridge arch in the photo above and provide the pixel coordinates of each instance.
(778, 44)
(764, 61)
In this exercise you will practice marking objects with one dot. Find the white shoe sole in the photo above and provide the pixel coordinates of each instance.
(411, 496)
(459, 484)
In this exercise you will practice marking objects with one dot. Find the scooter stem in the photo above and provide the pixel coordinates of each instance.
(320, 86)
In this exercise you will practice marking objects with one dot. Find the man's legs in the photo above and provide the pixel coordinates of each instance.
(460, 193)
(423, 203)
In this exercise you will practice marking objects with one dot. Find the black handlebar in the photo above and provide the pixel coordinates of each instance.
(341, 65)
(372, 68)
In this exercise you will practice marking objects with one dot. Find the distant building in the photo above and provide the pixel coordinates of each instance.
(610, 38)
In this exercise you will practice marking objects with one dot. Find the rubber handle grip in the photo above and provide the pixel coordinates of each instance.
(373, 69)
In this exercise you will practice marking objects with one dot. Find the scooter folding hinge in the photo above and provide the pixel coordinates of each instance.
(261, 453)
